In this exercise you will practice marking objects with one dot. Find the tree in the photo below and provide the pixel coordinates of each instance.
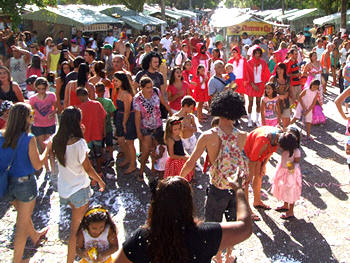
(136, 5)
(343, 15)
(15, 8)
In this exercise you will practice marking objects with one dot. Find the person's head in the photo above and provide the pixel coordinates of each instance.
(148, 47)
(187, 104)
(41, 85)
(151, 61)
(219, 67)
(330, 47)
(288, 142)
(215, 122)
(203, 49)
(257, 52)
(283, 45)
(95, 220)
(99, 68)
(20, 118)
(319, 43)
(235, 51)
(219, 45)
(270, 90)
(244, 35)
(229, 68)
(83, 73)
(89, 55)
(187, 65)
(228, 105)
(313, 56)
(175, 75)
(281, 70)
(36, 62)
(146, 85)
(77, 61)
(315, 84)
(5, 74)
(107, 49)
(100, 89)
(201, 70)
(122, 82)
(118, 62)
(184, 48)
(65, 69)
(34, 48)
(173, 127)
(156, 40)
(5, 107)
(82, 94)
(48, 41)
(169, 217)
(294, 130)
(216, 53)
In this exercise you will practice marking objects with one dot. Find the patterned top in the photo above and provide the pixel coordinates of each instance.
(149, 109)
(230, 161)
(347, 74)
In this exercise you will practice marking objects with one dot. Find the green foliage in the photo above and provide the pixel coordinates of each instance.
(14, 7)
(136, 5)
(184, 4)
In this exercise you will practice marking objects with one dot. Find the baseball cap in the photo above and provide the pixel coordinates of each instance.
(107, 46)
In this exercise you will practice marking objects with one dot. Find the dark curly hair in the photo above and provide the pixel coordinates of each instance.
(146, 61)
(227, 104)
(288, 142)
(170, 216)
(274, 90)
(294, 130)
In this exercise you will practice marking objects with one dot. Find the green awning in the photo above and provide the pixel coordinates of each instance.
(304, 13)
(151, 11)
(331, 19)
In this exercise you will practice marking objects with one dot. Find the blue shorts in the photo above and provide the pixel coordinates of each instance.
(38, 131)
(78, 199)
(23, 188)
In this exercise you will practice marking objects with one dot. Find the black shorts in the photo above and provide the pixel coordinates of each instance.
(153, 132)
(38, 131)
(108, 139)
(218, 203)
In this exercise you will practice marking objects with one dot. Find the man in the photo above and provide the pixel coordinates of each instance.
(107, 56)
(156, 43)
(294, 74)
(326, 65)
(245, 39)
(226, 165)
(216, 83)
(82, 39)
(18, 66)
(181, 56)
(194, 41)
(35, 50)
(89, 56)
(73, 75)
(201, 58)
(166, 42)
(110, 39)
(60, 37)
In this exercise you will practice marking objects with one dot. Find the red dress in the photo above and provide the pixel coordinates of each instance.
(259, 73)
(200, 94)
(240, 68)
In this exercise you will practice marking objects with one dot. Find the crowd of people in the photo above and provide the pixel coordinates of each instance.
(68, 103)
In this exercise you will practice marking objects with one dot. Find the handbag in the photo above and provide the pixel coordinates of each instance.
(4, 174)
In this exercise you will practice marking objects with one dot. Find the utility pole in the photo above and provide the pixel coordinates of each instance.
(343, 16)
(162, 10)
(282, 7)
(262, 5)
(190, 4)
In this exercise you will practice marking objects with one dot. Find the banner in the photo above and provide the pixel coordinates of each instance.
(251, 28)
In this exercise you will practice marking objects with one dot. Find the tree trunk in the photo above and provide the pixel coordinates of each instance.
(190, 4)
(343, 16)
(282, 7)
(162, 8)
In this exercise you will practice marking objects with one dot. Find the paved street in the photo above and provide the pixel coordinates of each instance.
(321, 232)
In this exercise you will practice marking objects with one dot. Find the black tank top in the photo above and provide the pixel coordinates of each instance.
(10, 95)
(178, 148)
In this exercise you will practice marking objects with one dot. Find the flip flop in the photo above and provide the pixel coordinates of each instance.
(140, 178)
(281, 209)
(126, 173)
(42, 238)
(285, 217)
(264, 207)
(255, 217)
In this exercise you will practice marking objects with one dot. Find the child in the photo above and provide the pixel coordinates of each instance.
(97, 236)
(44, 125)
(159, 156)
(270, 115)
(200, 90)
(230, 77)
(177, 156)
(186, 73)
(318, 116)
(5, 107)
(307, 101)
(287, 181)
(189, 127)
(110, 109)
(75, 168)
(93, 119)
(51, 80)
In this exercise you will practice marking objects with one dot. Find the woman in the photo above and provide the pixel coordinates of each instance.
(239, 69)
(53, 58)
(9, 90)
(177, 89)
(75, 168)
(61, 84)
(70, 96)
(100, 76)
(48, 41)
(148, 122)
(22, 188)
(282, 83)
(125, 121)
(216, 56)
(335, 64)
(172, 234)
(33, 69)
(312, 70)
(129, 58)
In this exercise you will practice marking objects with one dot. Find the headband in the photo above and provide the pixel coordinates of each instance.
(95, 210)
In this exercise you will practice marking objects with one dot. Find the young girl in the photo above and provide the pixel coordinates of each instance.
(159, 156)
(318, 116)
(307, 101)
(97, 236)
(5, 107)
(270, 115)
(287, 181)
(44, 125)
(200, 90)
(75, 168)
(177, 156)
(186, 73)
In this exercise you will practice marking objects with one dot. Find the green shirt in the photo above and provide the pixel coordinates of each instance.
(109, 108)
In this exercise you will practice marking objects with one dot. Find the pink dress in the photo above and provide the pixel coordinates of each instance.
(287, 184)
(271, 118)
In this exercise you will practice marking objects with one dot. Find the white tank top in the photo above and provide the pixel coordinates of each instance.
(238, 69)
(257, 74)
(319, 52)
(101, 242)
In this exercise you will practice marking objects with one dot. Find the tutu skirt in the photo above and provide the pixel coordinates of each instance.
(256, 93)
(240, 86)
(286, 186)
(272, 122)
(317, 115)
(173, 168)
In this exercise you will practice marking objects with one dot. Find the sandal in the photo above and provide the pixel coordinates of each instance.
(281, 209)
(262, 206)
(286, 217)
(140, 178)
(255, 217)
(42, 238)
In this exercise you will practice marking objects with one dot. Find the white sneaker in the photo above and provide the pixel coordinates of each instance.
(250, 123)
(258, 124)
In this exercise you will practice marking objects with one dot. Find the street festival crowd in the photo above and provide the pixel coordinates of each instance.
(68, 102)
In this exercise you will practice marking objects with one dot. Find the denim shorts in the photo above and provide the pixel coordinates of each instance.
(23, 189)
(79, 198)
(153, 132)
(38, 131)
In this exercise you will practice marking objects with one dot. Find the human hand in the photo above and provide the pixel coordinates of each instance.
(236, 182)
(124, 128)
(255, 87)
(102, 185)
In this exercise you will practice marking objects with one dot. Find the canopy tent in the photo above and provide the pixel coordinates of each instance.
(281, 18)
(304, 13)
(277, 13)
(71, 15)
(331, 19)
(154, 11)
(132, 18)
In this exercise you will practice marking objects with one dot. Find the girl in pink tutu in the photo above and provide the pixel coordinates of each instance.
(287, 181)
(270, 115)
(177, 156)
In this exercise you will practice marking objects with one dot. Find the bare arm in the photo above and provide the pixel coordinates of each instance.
(67, 95)
(91, 90)
(127, 105)
(263, 104)
(81, 252)
(37, 160)
(18, 92)
(89, 169)
(113, 245)
(170, 145)
(58, 91)
(165, 104)
(121, 257)
(340, 99)
(138, 125)
(300, 99)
